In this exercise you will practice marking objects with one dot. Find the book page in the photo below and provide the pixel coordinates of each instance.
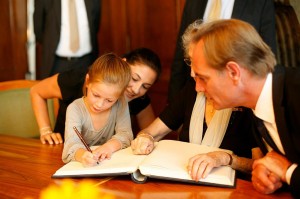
(122, 161)
(169, 159)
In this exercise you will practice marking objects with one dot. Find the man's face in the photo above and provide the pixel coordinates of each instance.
(216, 85)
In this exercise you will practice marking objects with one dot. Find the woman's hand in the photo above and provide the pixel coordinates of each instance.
(201, 165)
(143, 144)
(51, 138)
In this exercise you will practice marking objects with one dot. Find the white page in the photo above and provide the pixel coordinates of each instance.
(122, 161)
(174, 156)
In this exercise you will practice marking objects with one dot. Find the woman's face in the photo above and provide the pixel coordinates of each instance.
(142, 78)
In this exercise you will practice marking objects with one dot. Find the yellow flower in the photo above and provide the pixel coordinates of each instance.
(71, 190)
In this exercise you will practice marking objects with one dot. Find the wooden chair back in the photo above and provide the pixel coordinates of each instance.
(16, 113)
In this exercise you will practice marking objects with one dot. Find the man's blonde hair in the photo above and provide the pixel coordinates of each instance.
(231, 40)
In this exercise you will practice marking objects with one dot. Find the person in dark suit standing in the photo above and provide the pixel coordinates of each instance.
(234, 67)
(259, 13)
(53, 30)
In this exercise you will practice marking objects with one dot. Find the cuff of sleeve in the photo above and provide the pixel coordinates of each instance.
(121, 143)
(230, 159)
(147, 135)
(289, 173)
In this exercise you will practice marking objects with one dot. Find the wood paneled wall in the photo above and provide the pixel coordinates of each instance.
(130, 24)
(13, 57)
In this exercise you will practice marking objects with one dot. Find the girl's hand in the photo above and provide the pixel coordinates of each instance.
(103, 153)
(89, 159)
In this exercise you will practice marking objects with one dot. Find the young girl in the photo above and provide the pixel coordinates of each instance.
(145, 68)
(101, 115)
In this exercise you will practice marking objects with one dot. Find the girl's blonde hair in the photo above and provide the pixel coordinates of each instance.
(111, 69)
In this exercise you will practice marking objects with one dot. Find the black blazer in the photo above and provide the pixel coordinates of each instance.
(47, 21)
(259, 13)
(286, 98)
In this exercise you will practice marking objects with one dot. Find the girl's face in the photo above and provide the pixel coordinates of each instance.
(142, 78)
(101, 96)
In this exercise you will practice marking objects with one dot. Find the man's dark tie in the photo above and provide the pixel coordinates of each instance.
(264, 133)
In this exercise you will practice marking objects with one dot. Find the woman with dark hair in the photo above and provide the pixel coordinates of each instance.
(67, 86)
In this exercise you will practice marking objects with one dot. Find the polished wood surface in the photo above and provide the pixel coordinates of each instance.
(26, 167)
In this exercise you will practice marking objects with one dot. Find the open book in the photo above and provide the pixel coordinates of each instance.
(167, 161)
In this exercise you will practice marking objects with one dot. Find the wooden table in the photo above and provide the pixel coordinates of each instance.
(26, 167)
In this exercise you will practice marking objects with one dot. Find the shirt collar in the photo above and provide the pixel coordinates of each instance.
(264, 106)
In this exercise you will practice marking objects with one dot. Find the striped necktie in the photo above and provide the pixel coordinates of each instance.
(74, 35)
(215, 10)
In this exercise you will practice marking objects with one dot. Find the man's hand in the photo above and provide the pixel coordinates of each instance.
(263, 180)
(200, 165)
(275, 163)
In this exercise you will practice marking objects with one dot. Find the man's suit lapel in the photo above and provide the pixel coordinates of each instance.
(279, 111)
(89, 6)
(57, 14)
(202, 7)
(238, 8)
(194, 10)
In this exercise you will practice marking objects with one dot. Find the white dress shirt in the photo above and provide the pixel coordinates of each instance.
(85, 47)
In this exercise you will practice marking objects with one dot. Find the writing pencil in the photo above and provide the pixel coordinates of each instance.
(82, 140)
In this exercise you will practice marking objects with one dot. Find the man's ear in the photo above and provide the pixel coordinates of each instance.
(233, 70)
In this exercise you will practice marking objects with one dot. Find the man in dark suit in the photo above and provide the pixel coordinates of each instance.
(286, 107)
(259, 13)
(234, 67)
(51, 27)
